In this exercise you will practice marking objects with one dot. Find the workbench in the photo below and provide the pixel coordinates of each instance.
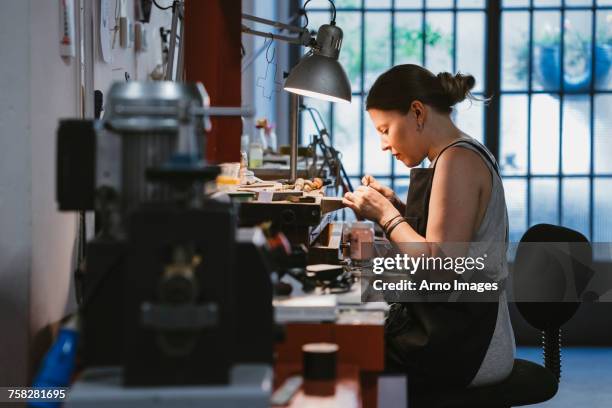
(358, 329)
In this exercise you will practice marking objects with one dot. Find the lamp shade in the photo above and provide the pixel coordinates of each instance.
(319, 74)
(319, 77)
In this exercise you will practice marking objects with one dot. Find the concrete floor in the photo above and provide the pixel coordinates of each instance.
(586, 376)
(586, 379)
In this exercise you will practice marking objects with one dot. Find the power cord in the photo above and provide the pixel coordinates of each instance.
(163, 8)
(333, 6)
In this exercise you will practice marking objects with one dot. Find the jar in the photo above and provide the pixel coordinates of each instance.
(229, 178)
(255, 155)
(361, 242)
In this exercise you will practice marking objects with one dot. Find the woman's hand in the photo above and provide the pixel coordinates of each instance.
(369, 203)
(386, 192)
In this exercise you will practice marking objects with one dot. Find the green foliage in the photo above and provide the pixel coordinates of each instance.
(408, 46)
(408, 42)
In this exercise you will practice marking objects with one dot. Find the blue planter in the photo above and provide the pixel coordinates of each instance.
(548, 64)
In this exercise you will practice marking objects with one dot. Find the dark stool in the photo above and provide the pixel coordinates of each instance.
(529, 383)
(542, 273)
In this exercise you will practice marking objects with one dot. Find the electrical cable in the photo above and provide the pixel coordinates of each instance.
(335, 154)
(305, 14)
(333, 20)
(163, 8)
(333, 6)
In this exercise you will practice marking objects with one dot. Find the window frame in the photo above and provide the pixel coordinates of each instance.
(494, 11)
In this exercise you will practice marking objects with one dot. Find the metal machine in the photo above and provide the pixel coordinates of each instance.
(159, 290)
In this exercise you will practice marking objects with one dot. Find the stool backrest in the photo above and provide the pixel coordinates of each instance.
(551, 273)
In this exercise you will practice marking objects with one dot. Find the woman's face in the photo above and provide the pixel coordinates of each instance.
(398, 133)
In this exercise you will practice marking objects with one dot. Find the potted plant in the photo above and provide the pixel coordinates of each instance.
(577, 58)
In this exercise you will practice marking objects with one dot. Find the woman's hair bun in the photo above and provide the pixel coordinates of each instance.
(397, 88)
(456, 87)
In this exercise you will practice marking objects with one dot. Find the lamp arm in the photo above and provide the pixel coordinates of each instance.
(275, 24)
(303, 38)
(251, 58)
(291, 40)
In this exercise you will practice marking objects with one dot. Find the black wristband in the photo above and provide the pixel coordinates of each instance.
(386, 225)
(392, 227)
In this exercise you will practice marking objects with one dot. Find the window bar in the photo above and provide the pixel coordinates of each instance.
(423, 43)
(417, 9)
(561, 102)
(512, 176)
(454, 36)
(330, 122)
(552, 176)
(423, 33)
(540, 92)
(591, 232)
(362, 79)
(529, 97)
(555, 8)
(392, 64)
(492, 79)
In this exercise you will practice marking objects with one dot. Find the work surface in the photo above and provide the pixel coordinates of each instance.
(357, 328)
(320, 306)
(346, 389)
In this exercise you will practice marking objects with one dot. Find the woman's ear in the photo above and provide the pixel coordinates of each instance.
(420, 113)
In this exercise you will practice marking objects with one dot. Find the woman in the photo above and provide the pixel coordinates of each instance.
(459, 198)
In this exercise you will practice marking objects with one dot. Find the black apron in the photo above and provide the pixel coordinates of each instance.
(434, 343)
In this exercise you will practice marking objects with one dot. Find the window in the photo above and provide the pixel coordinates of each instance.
(555, 125)
(442, 35)
(554, 136)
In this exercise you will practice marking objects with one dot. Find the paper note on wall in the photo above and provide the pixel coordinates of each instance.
(67, 28)
(106, 26)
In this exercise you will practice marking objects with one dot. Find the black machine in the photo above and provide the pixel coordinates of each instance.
(164, 292)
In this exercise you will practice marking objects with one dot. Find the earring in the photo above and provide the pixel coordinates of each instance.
(419, 127)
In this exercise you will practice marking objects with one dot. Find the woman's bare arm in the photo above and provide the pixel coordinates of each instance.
(454, 206)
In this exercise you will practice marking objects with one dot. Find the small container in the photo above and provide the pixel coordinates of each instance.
(319, 361)
(255, 155)
(229, 178)
(230, 169)
(361, 242)
(319, 365)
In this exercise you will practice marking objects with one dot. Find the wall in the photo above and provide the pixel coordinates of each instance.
(262, 86)
(36, 241)
(137, 64)
(15, 169)
(53, 95)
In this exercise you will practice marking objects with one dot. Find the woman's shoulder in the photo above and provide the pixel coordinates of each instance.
(462, 158)
(468, 154)
(464, 168)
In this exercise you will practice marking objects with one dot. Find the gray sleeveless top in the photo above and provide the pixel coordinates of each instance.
(491, 238)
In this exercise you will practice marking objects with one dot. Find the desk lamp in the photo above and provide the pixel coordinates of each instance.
(317, 75)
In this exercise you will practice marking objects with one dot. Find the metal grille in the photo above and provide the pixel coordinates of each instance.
(141, 151)
(547, 184)
(563, 90)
